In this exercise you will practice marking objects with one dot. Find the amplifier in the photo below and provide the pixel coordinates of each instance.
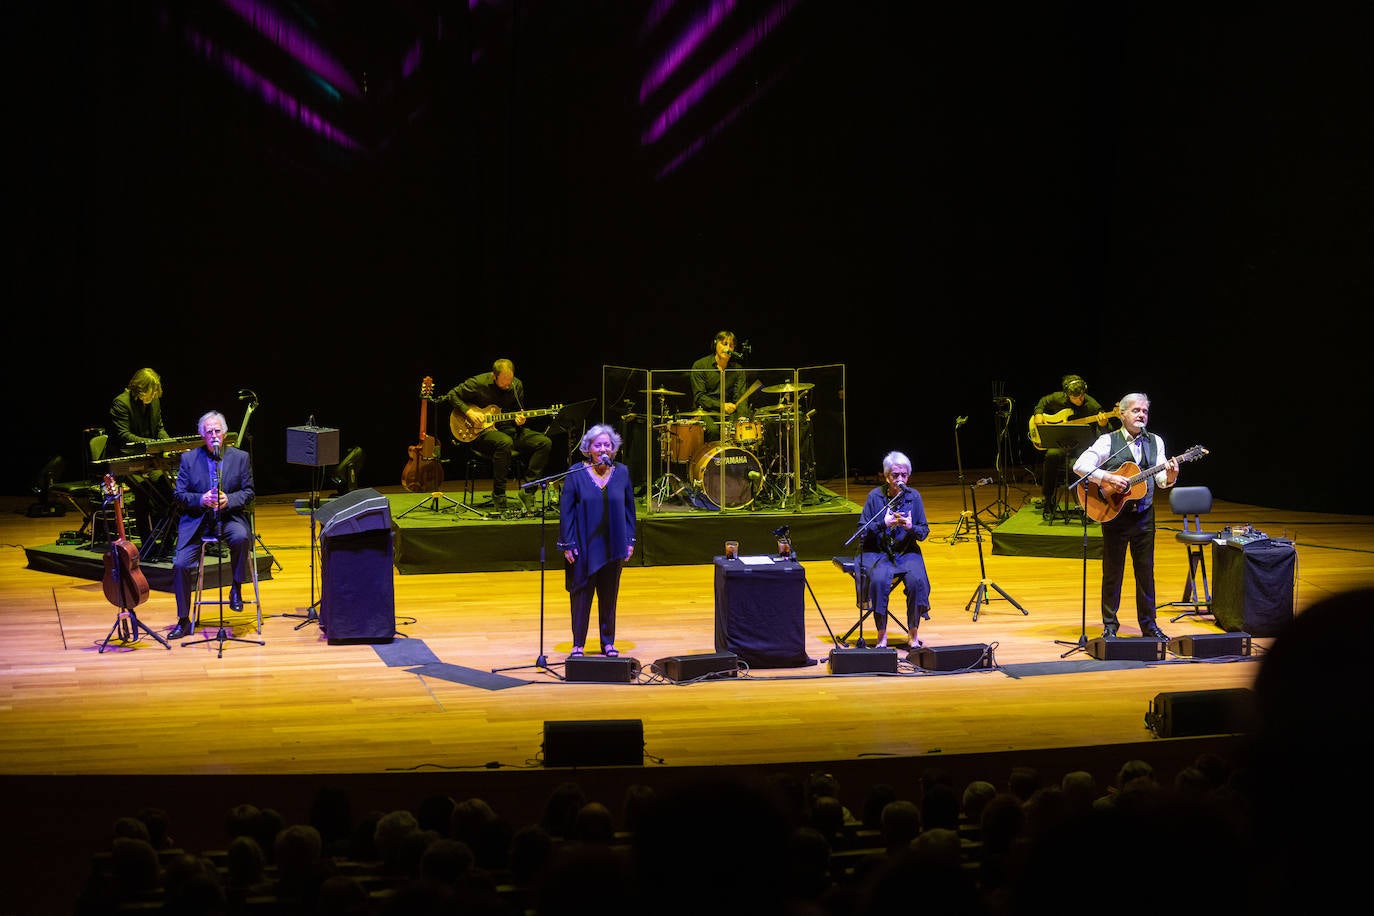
(1211, 645)
(679, 668)
(952, 658)
(863, 661)
(600, 670)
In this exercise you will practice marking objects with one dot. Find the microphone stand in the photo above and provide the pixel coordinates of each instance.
(1081, 645)
(861, 579)
(542, 661)
(980, 594)
(964, 515)
(221, 636)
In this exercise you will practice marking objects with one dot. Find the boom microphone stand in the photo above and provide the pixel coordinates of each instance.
(542, 661)
(980, 594)
(966, 519)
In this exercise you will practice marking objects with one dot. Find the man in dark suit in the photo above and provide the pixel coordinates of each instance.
(214, 491)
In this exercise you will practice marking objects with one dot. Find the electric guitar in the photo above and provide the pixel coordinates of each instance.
(1062, 419)
(464, 430)
(424, 473)
(1102, 506)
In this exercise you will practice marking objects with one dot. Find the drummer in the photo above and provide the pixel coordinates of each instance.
(718, 386)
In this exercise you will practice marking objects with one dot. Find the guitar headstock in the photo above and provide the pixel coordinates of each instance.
(427, 387)
(109, 489)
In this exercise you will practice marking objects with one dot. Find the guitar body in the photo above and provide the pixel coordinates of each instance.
(124, 584)
(464, 430)
(1102, 506)
(424, 473)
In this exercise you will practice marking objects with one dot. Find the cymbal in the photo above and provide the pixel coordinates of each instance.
(789, 387)
(662, 391)
(699, 412)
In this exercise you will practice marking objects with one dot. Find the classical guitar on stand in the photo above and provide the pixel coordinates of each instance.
(125, 585)
(464, 430)
(424, 473)
(1062, 419)
(1103, 507)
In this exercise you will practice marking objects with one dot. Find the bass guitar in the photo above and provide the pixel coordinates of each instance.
(1062, 419)
(125, 585)
(1102, 506)
(424, 473)
(464, 430)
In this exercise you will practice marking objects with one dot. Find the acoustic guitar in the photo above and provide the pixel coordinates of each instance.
(424, 473)
(1102, 506)
(464, 430)
(125, 585)
(1062, 419)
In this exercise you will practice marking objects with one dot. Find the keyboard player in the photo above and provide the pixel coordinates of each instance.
(136, 421)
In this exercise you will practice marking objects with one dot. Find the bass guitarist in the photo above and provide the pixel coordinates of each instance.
(1106, 465)
(1070, 405)
(491, 394)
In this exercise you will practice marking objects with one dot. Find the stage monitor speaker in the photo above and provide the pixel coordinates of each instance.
(312, 446)
(1136, 650)
(600, 670)
(1226, 711)
(952, 658)
(1211, 645)
(679, 668)
(594, 743)
(863, 661)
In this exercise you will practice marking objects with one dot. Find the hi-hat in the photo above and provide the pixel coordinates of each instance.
(663, 391)
(789, 387)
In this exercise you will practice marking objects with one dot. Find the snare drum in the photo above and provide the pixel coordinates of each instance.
(721, 472)
(684, 438)
(747, 432)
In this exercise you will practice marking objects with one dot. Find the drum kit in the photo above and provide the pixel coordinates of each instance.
(752, 463)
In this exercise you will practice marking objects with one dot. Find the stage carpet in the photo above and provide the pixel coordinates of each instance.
(1027, 534)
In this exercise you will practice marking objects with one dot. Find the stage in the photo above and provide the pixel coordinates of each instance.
(1026, 533)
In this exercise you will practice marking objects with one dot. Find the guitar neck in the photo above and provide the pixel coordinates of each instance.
(1192, 453)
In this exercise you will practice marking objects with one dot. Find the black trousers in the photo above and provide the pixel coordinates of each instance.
(1132, 530)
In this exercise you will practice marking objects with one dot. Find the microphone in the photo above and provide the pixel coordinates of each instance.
(983, 481)
(214, 452)
(781, 532)
(960, 421)
(733, 353)
(755, 476)
(606, 460)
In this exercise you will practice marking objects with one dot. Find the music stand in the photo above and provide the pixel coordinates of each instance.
(1071, 440)
(571, 417)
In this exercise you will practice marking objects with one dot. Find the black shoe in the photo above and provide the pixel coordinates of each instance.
(1109, 632)
(1153, 631)
(235, 598)
(181, 630)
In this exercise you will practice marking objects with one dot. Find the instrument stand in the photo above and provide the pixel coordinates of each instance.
(541, 661)
(129, 626)
(669, 485)
(967, 520)
(221, 635)
(980, 594)
(1002, 409)
(311, 615)
(785, 546)
(433, 506)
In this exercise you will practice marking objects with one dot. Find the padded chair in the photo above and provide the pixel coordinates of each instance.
(97, 519)
(1192, 503)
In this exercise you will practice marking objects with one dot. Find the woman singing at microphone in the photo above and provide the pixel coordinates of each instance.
(892, 548)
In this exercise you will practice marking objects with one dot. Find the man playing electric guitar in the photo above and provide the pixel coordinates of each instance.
(499, 392)
(1133, 527)
(1070, 405)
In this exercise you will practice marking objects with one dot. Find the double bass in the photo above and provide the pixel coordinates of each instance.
(423, 473)
(125, 585)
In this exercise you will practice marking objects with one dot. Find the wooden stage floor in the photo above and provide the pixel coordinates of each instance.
(298, 708)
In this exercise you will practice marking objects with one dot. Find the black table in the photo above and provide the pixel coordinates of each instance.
(1252, 585)
(760, 612)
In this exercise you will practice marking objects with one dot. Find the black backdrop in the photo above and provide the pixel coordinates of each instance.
(950, 202)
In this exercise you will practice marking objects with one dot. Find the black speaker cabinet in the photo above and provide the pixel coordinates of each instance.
(600, 670)
(679, 668)
(312, 446)
(1135, 650)
(1203, 712)
(863, 661)
(951, 658)
(357, 585)
(1211, 645)
(594, 743)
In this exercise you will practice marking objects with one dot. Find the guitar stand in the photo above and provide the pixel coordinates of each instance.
(433, 506)
(129, 626)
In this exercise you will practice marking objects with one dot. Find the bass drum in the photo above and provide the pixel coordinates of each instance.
(715, 465)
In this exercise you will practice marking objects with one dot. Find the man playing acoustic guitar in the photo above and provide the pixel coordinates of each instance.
(1069, 406)
(499, 394)
(1107, 465)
